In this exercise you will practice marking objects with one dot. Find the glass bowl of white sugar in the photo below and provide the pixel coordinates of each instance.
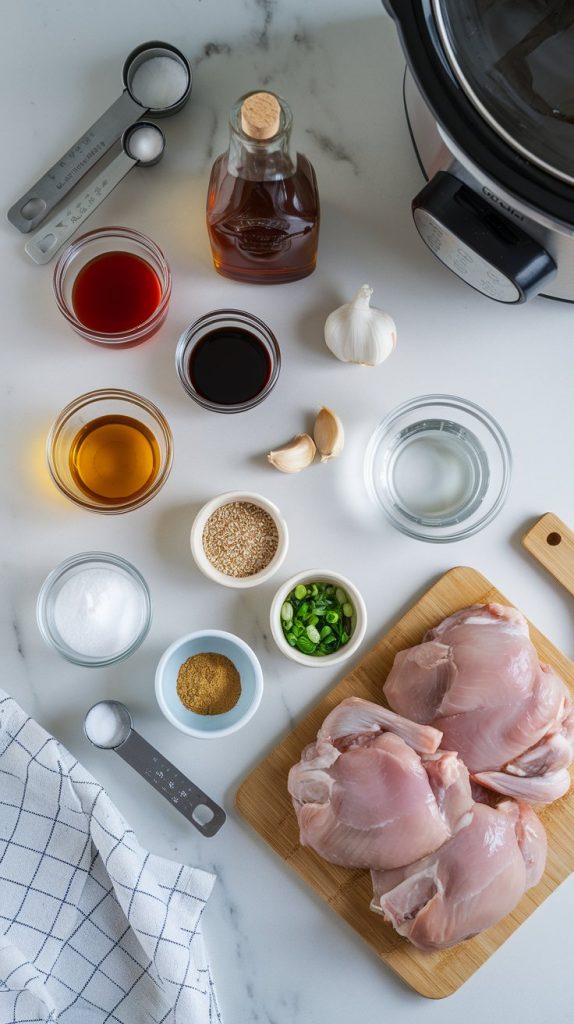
(94, 609)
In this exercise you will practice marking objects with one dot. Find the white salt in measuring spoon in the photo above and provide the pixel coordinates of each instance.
(157, 79)
(142, 144)
(108, 725)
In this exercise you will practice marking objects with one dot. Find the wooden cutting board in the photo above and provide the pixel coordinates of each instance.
(264, 801)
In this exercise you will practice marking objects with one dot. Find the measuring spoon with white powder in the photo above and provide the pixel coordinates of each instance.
(108, 725)
(157, 79)
(143, 144)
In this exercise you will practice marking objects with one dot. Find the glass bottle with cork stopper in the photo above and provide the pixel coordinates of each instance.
(262, 205)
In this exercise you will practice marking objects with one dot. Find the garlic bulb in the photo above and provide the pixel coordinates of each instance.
(358, 333)
(294, 456)
(328, 434)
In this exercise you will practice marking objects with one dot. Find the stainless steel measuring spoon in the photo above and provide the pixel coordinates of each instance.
(108, 725)
(157, 79)
(144, 144)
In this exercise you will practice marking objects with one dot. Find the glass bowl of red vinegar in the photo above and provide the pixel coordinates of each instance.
(113, 286)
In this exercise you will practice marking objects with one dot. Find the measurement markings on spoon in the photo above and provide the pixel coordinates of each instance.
(168, 780)
(61, 181)
(166, 777)
(76, 211)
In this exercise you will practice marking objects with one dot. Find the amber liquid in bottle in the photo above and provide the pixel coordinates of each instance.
(263, 231)
(114, 459)
(262, 205)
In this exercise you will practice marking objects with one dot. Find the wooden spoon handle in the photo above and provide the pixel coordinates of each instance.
(552, 543)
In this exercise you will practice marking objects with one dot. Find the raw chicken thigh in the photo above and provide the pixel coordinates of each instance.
(372, 792)
(470, 883)
(477, 678)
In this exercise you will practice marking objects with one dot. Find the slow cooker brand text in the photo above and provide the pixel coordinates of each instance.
(501, 203)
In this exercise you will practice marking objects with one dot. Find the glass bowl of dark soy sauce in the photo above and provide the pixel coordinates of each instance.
(228, 360)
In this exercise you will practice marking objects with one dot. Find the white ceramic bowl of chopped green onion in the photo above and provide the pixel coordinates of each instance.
(318, 618)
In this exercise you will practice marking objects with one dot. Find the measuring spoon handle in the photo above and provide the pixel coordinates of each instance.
(52, 235)
(172, 784)
(34, 206)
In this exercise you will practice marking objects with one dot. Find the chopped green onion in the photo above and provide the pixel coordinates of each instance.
(305, 645)
(287, 612)
(317, 618)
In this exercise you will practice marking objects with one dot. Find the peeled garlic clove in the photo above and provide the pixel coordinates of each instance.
(358, 333)
(328, 434)
(294, 456)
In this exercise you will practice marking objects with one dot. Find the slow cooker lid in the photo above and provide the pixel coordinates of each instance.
(514, 59)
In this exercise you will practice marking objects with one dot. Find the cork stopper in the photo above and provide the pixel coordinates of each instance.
(260, 115)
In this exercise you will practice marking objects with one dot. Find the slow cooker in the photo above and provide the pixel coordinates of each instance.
(489, 98)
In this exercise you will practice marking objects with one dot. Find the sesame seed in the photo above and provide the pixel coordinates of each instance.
(240, 538)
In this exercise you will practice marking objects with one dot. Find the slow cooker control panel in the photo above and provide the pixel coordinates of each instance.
(479, 244)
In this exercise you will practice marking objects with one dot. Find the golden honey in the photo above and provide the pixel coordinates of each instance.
(114, 459)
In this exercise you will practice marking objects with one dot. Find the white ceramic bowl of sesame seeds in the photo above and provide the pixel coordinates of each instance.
(239, 539)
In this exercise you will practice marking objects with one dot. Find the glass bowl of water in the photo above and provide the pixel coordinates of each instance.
(439, 467)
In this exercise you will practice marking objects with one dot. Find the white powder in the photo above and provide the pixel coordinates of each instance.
(105, 726)
(145, 143)
(99, 612)
(159, 82)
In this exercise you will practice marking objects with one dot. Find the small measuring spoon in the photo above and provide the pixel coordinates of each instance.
(142, 144)
(108, 725)
(156, 88)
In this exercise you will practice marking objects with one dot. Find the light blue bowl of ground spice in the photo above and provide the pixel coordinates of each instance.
(209, 683)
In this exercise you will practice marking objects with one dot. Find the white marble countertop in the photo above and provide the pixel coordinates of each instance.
(280, 955)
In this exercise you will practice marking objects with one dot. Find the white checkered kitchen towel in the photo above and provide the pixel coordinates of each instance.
(93, 928)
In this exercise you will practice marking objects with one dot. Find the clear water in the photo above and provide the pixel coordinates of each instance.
(436, 472)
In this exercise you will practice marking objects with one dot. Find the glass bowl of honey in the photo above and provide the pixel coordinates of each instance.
(113, 286)
(110, 451)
